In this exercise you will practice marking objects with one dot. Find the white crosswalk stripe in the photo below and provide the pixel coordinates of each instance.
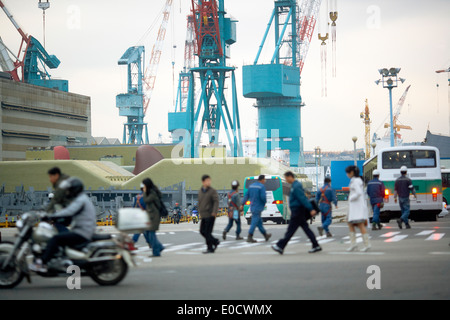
(143, 253)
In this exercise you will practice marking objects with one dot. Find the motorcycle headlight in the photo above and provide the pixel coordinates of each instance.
(19, 224)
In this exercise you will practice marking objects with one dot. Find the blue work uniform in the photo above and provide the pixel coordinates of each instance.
(403, 187)
(256, 193)
(325, 197)
(375, 191)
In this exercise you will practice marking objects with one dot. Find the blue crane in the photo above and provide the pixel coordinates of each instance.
(131, 104)
(276, 85)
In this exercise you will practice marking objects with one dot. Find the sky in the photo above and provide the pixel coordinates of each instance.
(89, 37)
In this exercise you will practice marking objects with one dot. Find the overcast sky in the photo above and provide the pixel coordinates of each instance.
(90, 36)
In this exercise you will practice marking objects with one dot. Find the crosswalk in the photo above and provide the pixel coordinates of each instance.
(231, 245)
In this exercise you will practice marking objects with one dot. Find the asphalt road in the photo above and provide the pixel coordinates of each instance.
(408, 264)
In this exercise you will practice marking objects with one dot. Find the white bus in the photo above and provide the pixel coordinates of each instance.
(423, 163)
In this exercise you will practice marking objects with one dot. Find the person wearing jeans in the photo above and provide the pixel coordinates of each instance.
(403, 187)
(375, 190)
(234, 211)
(152, 199)
(256, 193)
(300, 209)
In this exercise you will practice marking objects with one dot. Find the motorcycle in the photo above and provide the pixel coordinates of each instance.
(176, 216)
(194, 216)
(105, 258)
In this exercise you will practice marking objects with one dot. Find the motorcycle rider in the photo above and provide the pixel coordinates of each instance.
(82, 212)
(58, 199)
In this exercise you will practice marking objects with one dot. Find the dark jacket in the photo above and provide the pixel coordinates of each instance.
(59, 199)
(298, 199)
(151, 206)
(208, 202)
(256, 193)
(375, 190)
(403, 187)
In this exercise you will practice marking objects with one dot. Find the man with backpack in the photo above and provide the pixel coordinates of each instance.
(325, 197)
(375, 190)
(234, 211)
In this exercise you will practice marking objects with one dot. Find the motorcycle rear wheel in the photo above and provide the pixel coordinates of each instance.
(116, 271)
(11, 276)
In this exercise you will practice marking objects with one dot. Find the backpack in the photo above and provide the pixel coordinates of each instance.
(163, 212)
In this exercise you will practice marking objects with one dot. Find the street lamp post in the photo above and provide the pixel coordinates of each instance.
(374, 145)
(389, 80)
(354, 149)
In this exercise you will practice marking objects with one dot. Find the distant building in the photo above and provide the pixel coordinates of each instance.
(34, 116)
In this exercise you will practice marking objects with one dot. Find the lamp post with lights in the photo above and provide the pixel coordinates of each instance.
(389, 80)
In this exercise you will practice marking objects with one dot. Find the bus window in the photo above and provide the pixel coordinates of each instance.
(446, 180)
(409, 158)
(270, 184)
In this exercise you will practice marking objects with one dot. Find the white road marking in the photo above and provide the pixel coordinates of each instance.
(425, 232)
(390, 234)
(435, 236)
(396, 238)
(356, 253)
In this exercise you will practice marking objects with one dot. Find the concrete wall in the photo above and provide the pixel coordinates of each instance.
(33, 116)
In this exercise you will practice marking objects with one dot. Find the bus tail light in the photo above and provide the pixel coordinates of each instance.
(434, 192)
(277, 202)
(386, 195)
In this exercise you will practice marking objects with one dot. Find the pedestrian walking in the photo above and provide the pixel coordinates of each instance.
(402, 189)
(301, 210)
(325, 197)
(256, 193)
(208, 205)
(234, 211)
(140, 203)
(375, 191)
(357, 209)
(153, 203)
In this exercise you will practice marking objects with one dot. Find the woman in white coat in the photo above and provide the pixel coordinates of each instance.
(357, 209)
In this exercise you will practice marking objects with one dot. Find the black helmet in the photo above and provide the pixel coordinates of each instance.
(73, 186)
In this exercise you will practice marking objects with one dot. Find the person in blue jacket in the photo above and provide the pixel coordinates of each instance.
(375, 190)
(301, 208)
(256, 193)
(325, 197)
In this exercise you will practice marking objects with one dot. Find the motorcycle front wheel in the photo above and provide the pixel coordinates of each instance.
(109, 273)
(10, 276)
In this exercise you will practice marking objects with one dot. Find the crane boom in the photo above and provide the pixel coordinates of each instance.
(152, 69)
(306, 23)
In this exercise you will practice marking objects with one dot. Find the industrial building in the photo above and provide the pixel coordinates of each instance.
(36, 116)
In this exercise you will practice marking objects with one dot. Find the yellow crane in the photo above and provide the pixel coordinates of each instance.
(365, 115)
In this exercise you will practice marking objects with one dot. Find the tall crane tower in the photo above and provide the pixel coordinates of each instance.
(178, 120)
(135, 102)
(276, 85)
(366, 119)
(448, 75)
(396, 123)
(214, 33)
